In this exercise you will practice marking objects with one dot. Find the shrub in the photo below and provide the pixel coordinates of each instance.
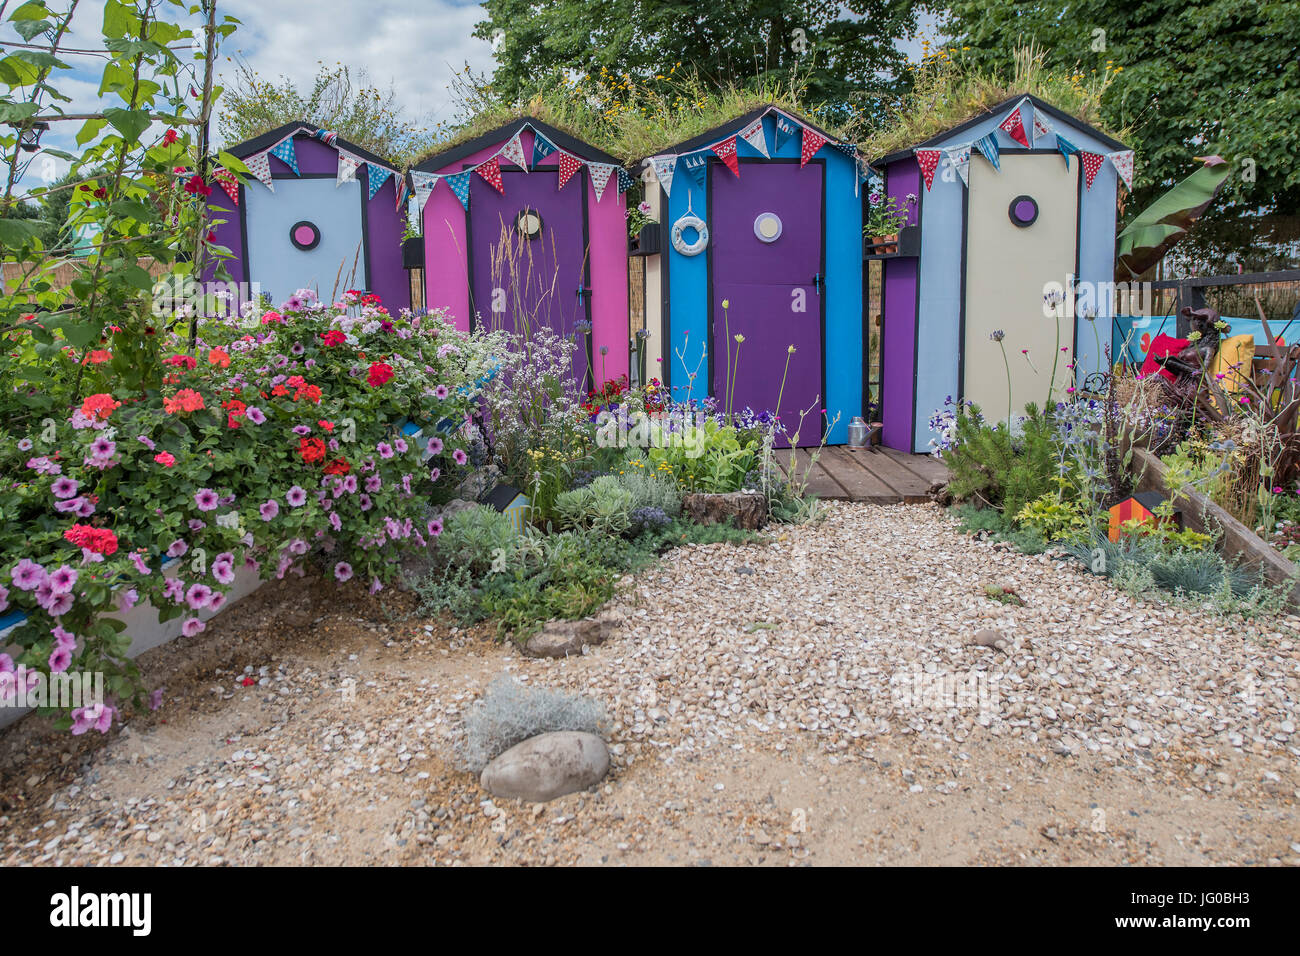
(477, 538)
(991, 466)
(1057, 520)
(604, 506)
(510, 713)
(652, 491)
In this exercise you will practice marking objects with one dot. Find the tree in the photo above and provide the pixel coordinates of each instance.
(1196, 77)
(851, 44)
(362, 114)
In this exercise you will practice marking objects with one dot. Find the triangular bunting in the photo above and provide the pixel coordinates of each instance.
(928, 160)
(326, 136)
(600, 173)
(378, 176)
(665, 166)
(1065, 148)
(988, 147)
(513, 151)
(491, 173)
(726, 151)
(284, 152)
(403, 189)
(1123, 163)
(785, 128)
(569, 164)
(459, 184)
(424, 184)
(812, 141)
(625, 180)
(1014, 127)
(959, 160)
(541, 148)
(226, 179)
(754, 135)
(1042, 125)
(1091, 163)
(260, 166)
(348, 166)
(697, 164)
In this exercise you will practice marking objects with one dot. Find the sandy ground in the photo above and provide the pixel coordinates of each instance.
(774, 704)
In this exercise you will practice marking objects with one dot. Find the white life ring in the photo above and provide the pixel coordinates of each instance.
(690, 221)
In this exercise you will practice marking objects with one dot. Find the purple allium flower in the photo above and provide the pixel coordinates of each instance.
(197, 596)
(27, 575)
(342, 572)
(441, 392)
(296, 496)
(59, 660)
(62, 579)
(255, 415)
(459, 456)
(146, 441)
(269, 509)
(192, 626)
(65, 487)
(206, 499)
(139, 562)
(177, 548)
(435, 445)
(385, 450)
(434, 527)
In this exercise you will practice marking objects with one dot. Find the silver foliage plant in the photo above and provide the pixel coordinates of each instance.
(509, 713)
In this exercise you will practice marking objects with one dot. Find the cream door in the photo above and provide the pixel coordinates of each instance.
(1022, 231)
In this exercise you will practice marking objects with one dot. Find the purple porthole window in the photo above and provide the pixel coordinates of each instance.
(304, 235)
(1023, 211)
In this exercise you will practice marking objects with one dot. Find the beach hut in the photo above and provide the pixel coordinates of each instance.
(525, 228)
(316, 212)
(759, 236)
(1009, 247)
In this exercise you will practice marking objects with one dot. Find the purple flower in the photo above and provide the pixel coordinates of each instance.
(365, 502)
(62, 580)
(296, 496)
(127, 599)
(434, 527)
(297, 348)
(139, 563)
(401, 446)
(342, 572)
(27, 575)
(174, 590)
(223, 572)
(350, 484)
(441, 392)
(301, 430)
(72, 505)
(4, 597)
(196, 525)
(63, 638)
(25, 444)
(146, 441)
(101, 447)
(459, 456)
(177, 548)
(98, 716)
(65, 487)
(375, 586)
(216, 602)
(335, 521)
(269, 509)
(435, 445)
(255, 415)
(86, 508)
(192, 626)
(59, 660)
(385, 450)
(60, 605)
(435, 474)
(297, 546)
(206, 499)
(374, 483)
(198, 596)
(155, 698)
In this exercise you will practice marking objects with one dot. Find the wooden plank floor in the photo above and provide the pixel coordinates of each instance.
(877, 475)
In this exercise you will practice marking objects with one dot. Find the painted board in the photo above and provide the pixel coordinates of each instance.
(1041, 188)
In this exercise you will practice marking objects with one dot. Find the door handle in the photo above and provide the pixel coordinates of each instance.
(817, 282)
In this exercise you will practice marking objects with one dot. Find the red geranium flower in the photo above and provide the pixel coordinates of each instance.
(311, 449)
(326, 426)
(339, 466)
(169, 137)
(100, 540)
(333, 337)
(380, 373)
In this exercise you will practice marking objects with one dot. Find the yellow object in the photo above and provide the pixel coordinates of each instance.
(1232, 366)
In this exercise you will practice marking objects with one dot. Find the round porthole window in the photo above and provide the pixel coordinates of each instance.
(1023, 211)
(767, 227)
(529, 223)
(304, 235)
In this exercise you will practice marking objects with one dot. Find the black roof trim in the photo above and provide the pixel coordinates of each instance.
(264, 142)
(1047, 108)
(718, 132)
(435, 161)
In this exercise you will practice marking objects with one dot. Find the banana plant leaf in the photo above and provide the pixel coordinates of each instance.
(1159, 227)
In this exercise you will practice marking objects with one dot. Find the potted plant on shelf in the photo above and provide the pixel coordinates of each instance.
(885, 219)
(642, 230)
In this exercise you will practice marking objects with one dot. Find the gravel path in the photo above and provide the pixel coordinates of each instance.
(816, 699)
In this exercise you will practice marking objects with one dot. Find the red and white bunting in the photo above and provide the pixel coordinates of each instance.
(812, 141)
(1123, 163)
(514, 152)
(569, 164)
(1014, 127)
(726, 151)
(1042, 125)
(226, 179)
(754, 135)
(491, 173)
(928, 160)
(600, 173)
(260, 166)
(348, 166)
(1091, 163)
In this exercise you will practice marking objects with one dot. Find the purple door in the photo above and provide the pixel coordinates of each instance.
(765, 249)
(528, 257)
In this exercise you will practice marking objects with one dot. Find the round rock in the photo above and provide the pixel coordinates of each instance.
(547, 766)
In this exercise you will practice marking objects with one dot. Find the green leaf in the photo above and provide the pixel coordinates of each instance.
(16, 112)
(119, 19)
(15, 233)
(89, 130)
(130, 123)
(30, 11)
(30, 28)
(232, 162)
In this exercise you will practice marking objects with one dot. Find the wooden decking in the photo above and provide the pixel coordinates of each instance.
(876, 475)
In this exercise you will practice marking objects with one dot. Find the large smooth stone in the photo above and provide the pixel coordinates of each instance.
(547, 766)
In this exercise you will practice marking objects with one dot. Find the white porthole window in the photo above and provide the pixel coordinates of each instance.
(529, 223)
(767, 226)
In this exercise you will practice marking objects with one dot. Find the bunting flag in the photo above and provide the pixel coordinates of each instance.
(600, 173)
(697, 164)
(402, 190)
(785, 128)
(959, 160)
(1123, 163)
(1091, 163)
(848, 149)
(326, 136)
(424, 185)
(541, 147)
(284, 152)
(665, 166)
(1042, 125)
(378, 176)
(491, 173)
(226, 179)
(625, 180)
(754, 135)
(569, 164)
(260, 167)
(726, 151)
(1065, 148)
(812, 141)
(348, 166)
(459, 184)
(988, 147)
(514, 152)
(928, 160)
(1014, 127)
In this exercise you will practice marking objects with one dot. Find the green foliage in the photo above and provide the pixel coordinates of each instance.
(651, 490)
(604, 506)
(476, 537)
(972, 519)
(993, 467)
(1054, 520)
(715, 458)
